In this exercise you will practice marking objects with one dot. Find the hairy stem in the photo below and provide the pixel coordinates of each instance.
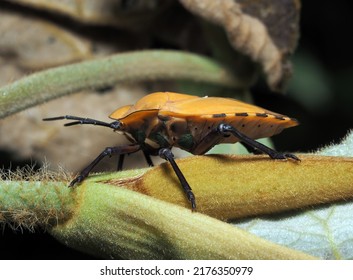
(145, 214)
(127, 67)
(31, 204)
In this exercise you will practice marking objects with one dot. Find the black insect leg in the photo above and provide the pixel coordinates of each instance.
(122, 157)
(148, 158)
(121, 162)
(251, 149)
(167, 154)
(225, 129)
(109, 151)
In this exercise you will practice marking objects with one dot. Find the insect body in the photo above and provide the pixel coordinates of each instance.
(162, 120)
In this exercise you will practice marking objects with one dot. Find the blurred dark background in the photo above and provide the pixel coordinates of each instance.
(319, 96)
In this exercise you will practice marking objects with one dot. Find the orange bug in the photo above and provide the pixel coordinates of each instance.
(162, 120)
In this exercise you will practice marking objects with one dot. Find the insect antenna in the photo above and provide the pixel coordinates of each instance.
(79, 120)
(72, 123)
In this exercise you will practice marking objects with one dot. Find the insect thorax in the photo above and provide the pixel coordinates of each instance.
(166, 132)
(193, 136)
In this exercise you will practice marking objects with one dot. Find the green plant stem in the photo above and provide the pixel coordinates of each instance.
(120, 223)
(30, 204)
(127, 67)
(144, 213)
(115, 222)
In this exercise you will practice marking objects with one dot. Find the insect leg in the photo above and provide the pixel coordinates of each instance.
(121, 162)
(148, 158)
(109, 151)
(122, 157)
(225, 129)
(167, 154)
(251, 149)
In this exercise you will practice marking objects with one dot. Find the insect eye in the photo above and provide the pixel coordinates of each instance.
(116, 125)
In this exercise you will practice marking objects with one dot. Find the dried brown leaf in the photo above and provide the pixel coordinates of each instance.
(108, 12)
(33, 43)
(264, 30)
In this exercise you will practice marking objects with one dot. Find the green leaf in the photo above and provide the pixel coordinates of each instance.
(326, 232)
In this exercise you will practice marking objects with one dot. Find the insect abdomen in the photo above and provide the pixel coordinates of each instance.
(257, 125)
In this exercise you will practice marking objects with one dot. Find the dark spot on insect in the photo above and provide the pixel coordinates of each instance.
(264, 115)
(195, 128)
(222, 115)
(160, 138)
(139, 136)
(280, 118)
(209, 127)
(173, 138)
(164, 118)
(243, 125)
(258, 125)
(241, 114)
(186, 141)
(178, 127)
